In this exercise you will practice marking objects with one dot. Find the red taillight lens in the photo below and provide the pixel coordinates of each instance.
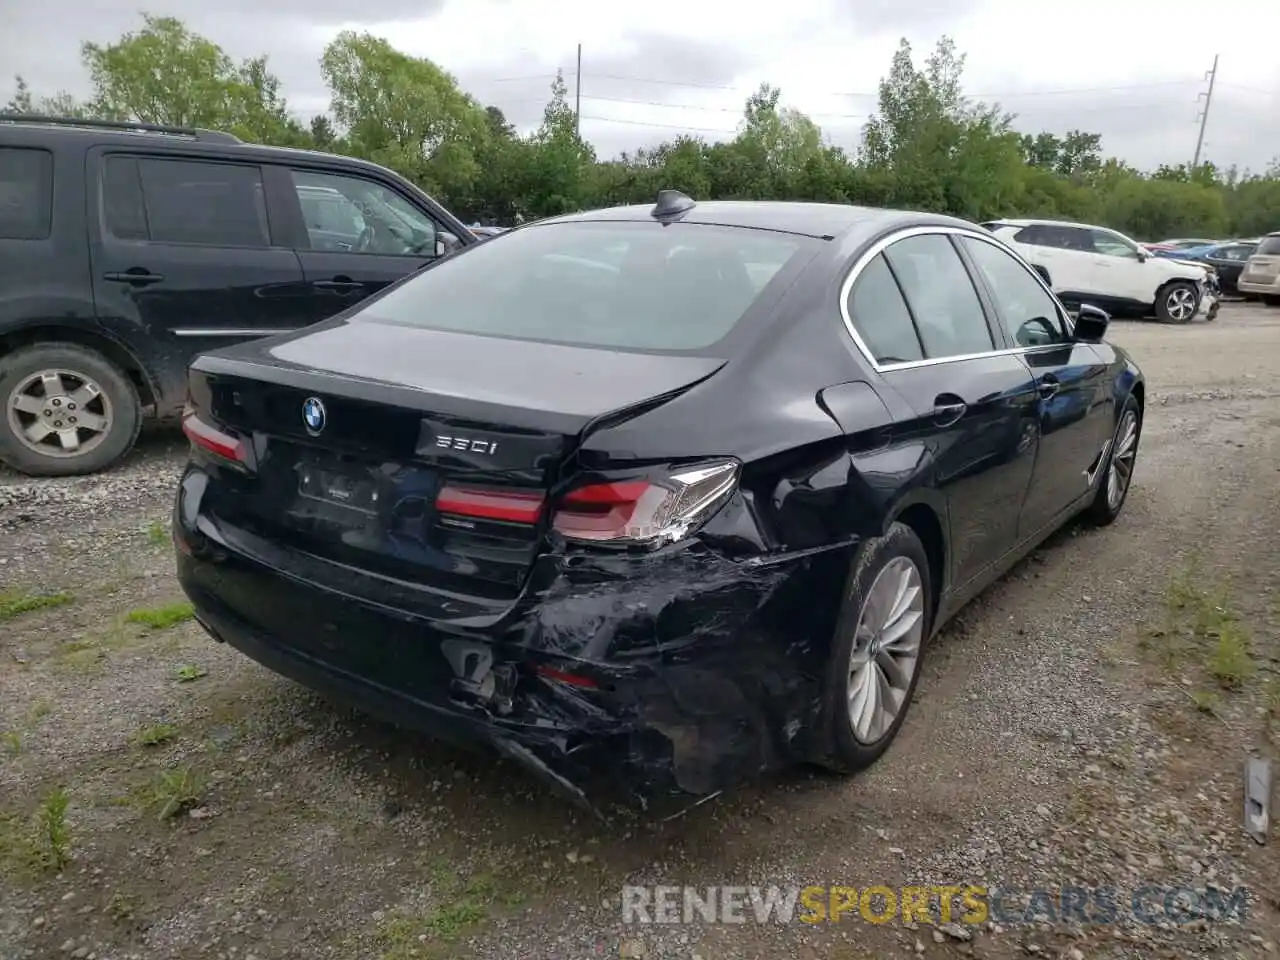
(213, 440)
(562, 676)
(513, 506)
(646, 511)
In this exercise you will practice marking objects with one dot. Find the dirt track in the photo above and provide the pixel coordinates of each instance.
(1084, 723)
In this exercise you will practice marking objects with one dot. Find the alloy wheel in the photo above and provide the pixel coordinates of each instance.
(59, 413)
(886, 649)
(1120, 472)
(1181, 304)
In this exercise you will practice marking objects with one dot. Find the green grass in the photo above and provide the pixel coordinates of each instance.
(161, 618)
(188, 672)
(14, 605)
(174, 790)
(154, 734)
(1201, 626)
(157, 533)
(463, 903)
(53, 836)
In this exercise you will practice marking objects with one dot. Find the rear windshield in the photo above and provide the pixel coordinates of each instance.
(1269, 246)
(637, 286)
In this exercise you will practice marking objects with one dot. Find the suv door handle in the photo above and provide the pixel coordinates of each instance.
(948, 409)
(134, 275)
(338, 283)
(1048, 387)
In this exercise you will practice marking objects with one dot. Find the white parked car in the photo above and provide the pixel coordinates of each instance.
(1261, 274)
(1089, 264)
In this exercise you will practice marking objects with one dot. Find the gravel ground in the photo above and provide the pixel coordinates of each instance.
(1084, 723)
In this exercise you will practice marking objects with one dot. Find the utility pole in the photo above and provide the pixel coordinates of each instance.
(577, 97)
(1211, 76)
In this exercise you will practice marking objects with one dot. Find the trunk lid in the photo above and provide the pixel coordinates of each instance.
(413, 424)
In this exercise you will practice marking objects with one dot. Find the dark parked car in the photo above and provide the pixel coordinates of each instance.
(678, 493)
(1227, 259)
(125, 250)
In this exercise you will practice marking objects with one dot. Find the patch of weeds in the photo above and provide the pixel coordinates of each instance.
(188, 672)
(1201, 622)
(13, 605)
(161, 618)
(175, 790)
(154, 734)
(121, 908)
(11, 741)
(157, 533)
(1229, 661)
(53, 835)
(1206, 701)
(463, 903)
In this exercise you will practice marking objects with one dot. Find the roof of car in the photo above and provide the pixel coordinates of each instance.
(823, 220)
(1031, 222)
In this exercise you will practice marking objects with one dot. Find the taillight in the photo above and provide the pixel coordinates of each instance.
(646, 511)
(512, 506)
(215, 441)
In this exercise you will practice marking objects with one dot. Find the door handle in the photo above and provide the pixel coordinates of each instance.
(1048, 387)
(134, 275)
(947, 409)
(338, 283)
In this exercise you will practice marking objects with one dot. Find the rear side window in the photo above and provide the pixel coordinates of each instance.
(627, 286)
(881, 317)
(1270, 246)
(123, 213)
(212, 204)
(941, 295)
(26, 193)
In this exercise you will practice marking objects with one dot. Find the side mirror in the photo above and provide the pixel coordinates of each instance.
(446, 243)
(1091, 323)
(1142, 255)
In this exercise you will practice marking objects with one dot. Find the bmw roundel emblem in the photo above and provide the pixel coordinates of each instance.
(313, 415)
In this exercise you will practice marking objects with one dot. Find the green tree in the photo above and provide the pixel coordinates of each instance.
(404, 112)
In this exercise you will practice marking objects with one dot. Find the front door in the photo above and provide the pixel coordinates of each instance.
(919, 314)
(1073, 400)
(184, 260)
(356, 235)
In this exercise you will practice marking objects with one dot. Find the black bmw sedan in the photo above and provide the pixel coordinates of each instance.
(680, 492)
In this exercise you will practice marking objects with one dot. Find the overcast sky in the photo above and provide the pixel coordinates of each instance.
(1129, 70)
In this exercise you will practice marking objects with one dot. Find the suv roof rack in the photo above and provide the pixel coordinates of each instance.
(125, 126)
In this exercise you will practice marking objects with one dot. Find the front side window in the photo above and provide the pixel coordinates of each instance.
(625, 286)
(1029, 314)
(1113, 245)
(26, 193)
(941, 295)
(211, 204)
(880, 315)
(355, 215)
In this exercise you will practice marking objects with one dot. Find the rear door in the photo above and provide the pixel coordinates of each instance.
(184, 255)
(1073, 397)
(923, 321)
(353, 234)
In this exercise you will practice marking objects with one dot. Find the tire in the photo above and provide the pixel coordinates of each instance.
(845, 749)
(105, 393)
(1171, 302)
(1271, 301)
(1105, 508)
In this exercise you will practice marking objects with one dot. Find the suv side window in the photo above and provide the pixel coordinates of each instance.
(1033, 235)
(211, 204)
(941, 295)
(1030, 316)
(350, 214)
(26, 193)
(880, 315)
(1112, 245)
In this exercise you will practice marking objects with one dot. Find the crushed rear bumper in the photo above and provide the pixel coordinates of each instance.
(674, 674)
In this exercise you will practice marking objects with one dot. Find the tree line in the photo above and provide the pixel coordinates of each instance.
(927, 146)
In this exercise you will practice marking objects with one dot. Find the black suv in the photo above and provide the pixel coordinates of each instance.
(128, 249)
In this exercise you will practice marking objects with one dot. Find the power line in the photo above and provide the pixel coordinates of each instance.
(664, 126)
(846, 93)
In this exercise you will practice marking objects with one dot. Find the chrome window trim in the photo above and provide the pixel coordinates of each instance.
(877, 248)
